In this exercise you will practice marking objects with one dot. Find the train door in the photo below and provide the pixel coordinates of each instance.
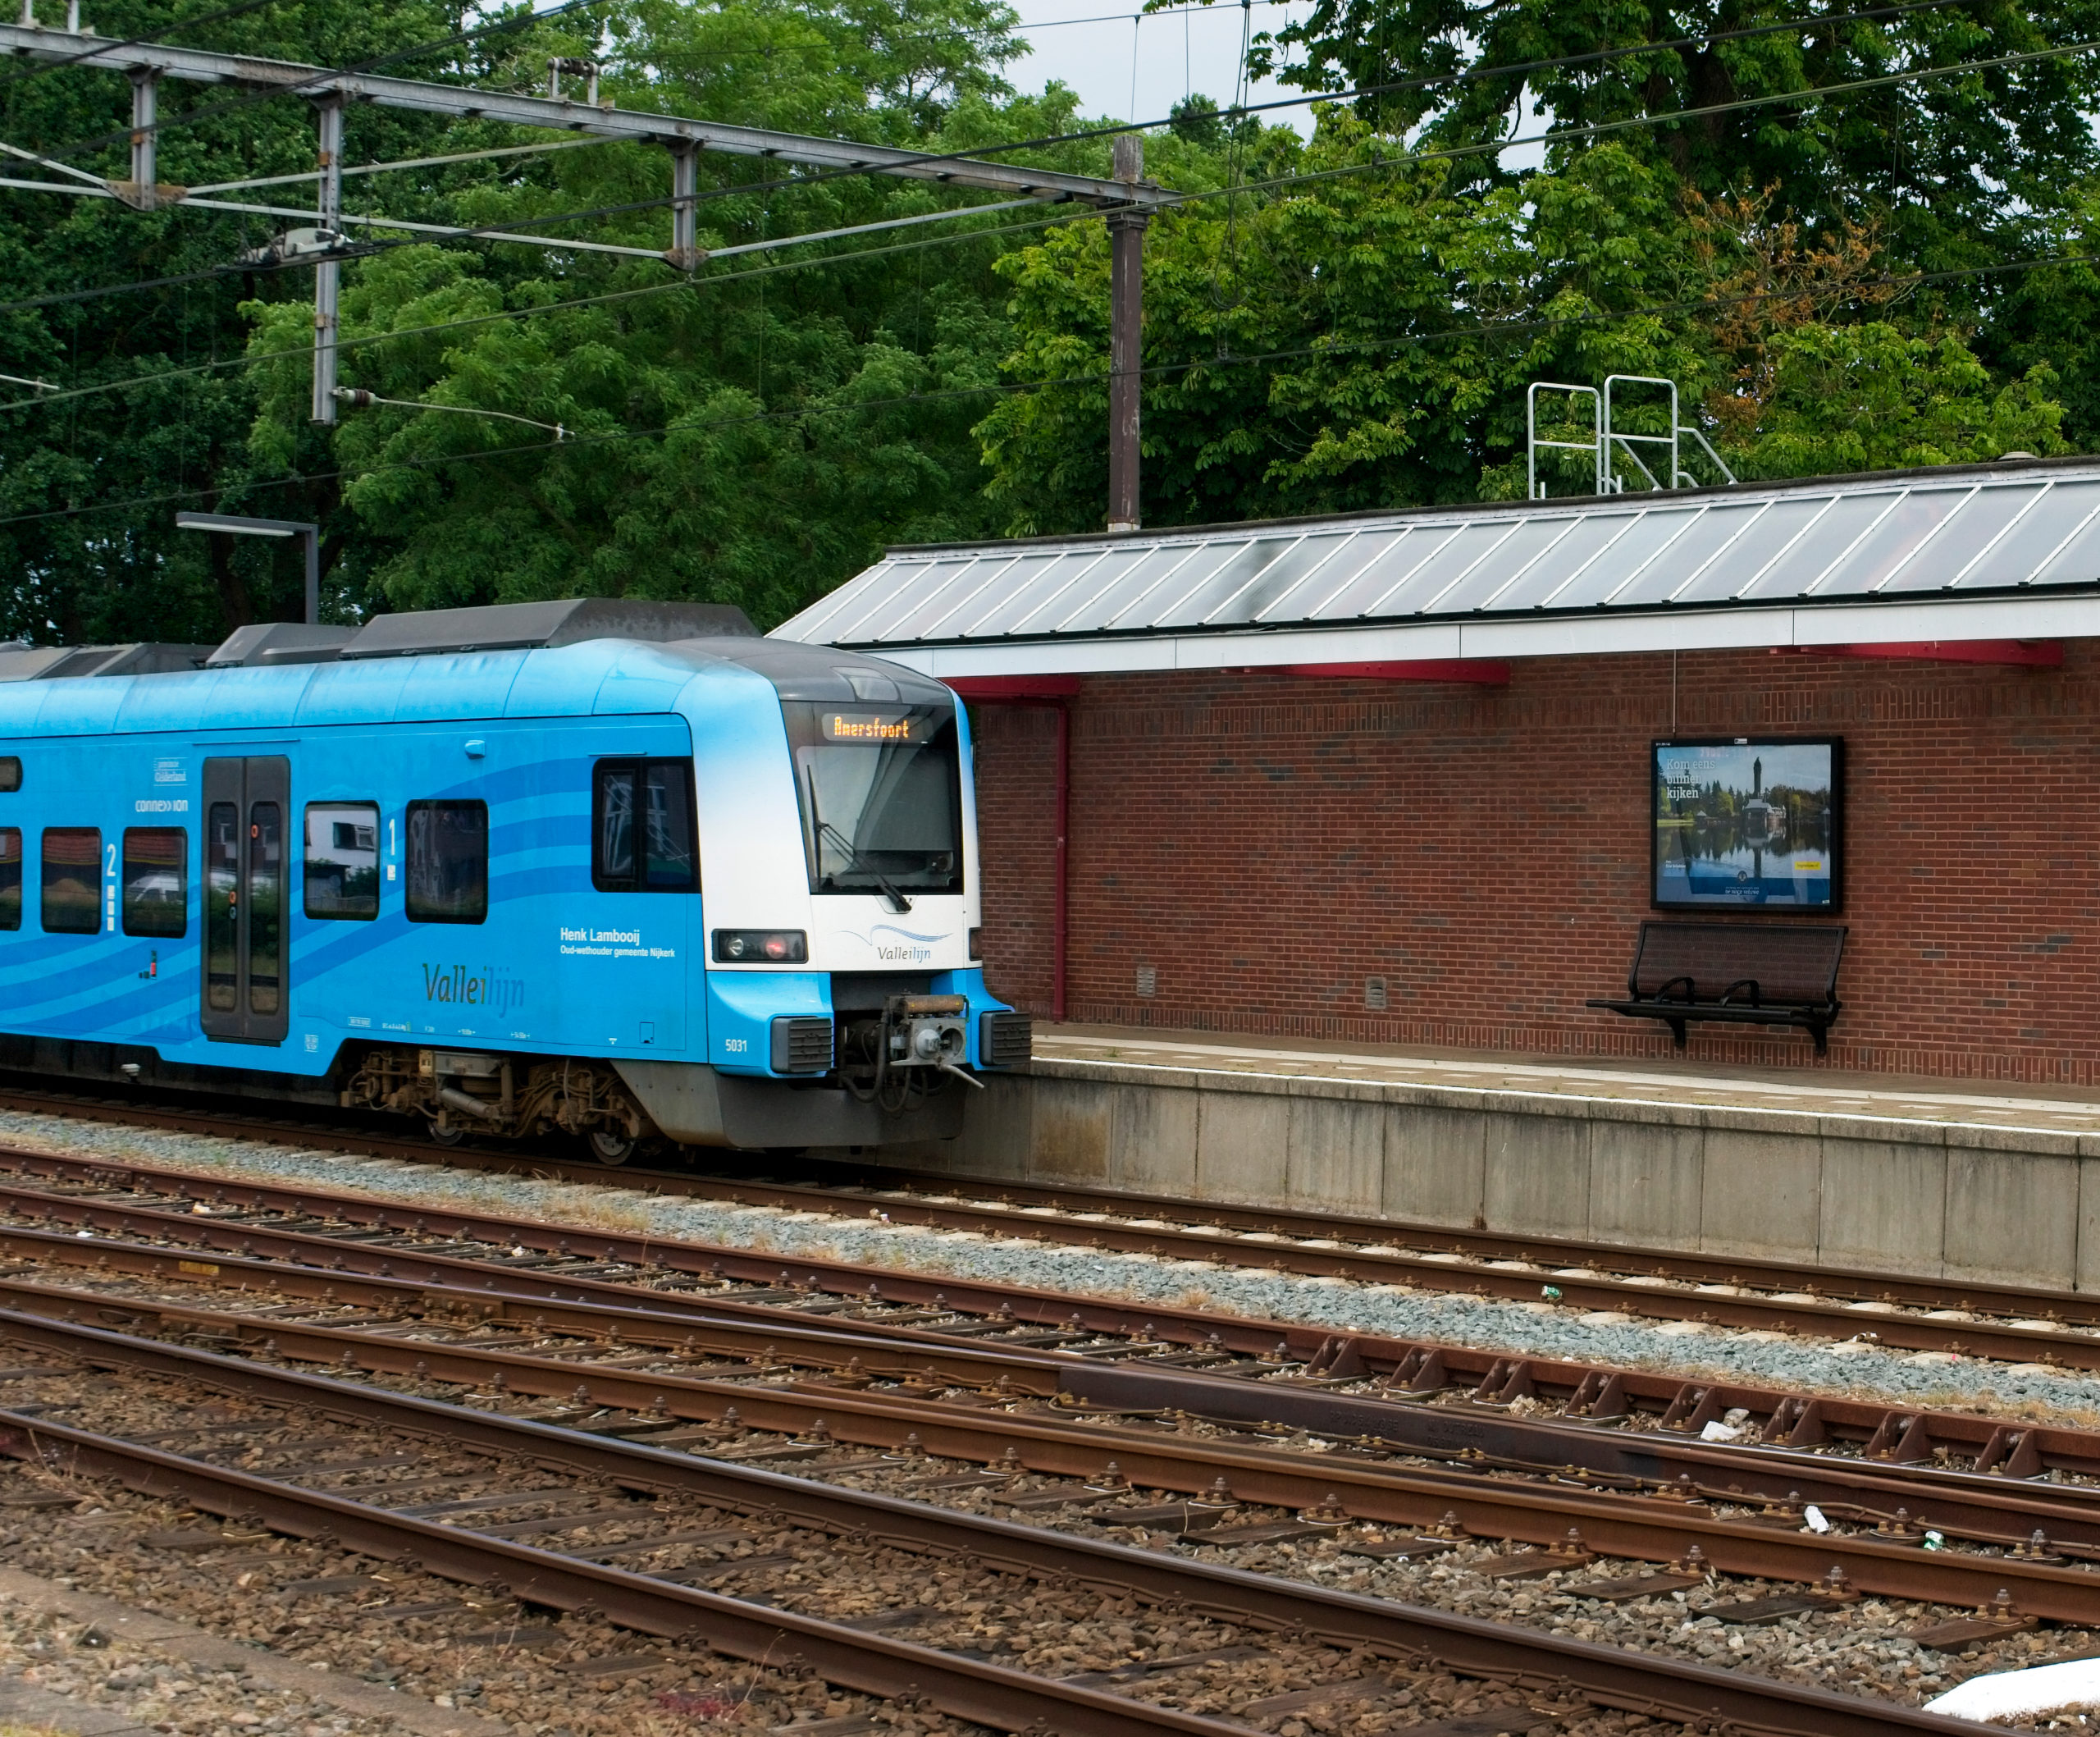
(247, 937)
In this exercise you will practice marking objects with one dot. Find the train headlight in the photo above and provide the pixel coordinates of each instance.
(761, 946)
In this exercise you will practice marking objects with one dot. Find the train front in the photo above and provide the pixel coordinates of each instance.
(846, 1001)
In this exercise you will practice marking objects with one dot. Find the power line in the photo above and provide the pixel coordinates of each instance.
(1903, 8)
(1488, 330)
(1390, 87)
(602, 300)
(1273, 184)
(1356, 93)
(1021, 27)
(1561, 135)
(1552, 135)
(193, 117)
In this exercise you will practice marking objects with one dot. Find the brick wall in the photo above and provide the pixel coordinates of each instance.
(1017, 847)
(1266, 844)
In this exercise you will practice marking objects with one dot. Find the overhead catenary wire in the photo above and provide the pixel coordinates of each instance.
(458, 231)
(537, 149)
(1099, 377)
(924, 158)
(1463, 75)
(765, 187)
(1022, 26)
(321, 76)
(603, 298)
(1271, 183)
(1377, 163)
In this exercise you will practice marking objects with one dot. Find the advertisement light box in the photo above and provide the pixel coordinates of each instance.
(1742, 822)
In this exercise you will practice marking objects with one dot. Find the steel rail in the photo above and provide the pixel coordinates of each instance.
(1609, 1522)
(1792, 1418)
(1607, 1676)
(888, 1192)
(1200, 1221)
(780, 1340)
(1969, 1506)
(987, 1693)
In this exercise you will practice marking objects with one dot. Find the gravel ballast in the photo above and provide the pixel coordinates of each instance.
(1541, 1330)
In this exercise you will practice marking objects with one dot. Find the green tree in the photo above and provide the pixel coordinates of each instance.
(1868, 397)
(1332, 323)
(753, 433)
(1363, 335)
(80, 569)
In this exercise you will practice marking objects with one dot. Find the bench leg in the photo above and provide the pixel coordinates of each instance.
(1821, 1033)
(1677, 1031)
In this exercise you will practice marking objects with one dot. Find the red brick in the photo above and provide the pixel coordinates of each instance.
(1267, 843)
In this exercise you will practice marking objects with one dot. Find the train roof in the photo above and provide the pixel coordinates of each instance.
(575, 657)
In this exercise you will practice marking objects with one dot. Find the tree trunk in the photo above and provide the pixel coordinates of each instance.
(235, 603)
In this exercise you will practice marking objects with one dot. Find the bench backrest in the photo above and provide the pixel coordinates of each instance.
(1789, 961)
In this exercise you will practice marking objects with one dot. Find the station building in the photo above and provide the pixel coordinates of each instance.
(1387, 785)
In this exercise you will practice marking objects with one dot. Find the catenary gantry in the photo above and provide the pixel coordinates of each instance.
(1128, 199)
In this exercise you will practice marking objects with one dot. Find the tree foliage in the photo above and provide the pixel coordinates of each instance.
(751, 432)
(1821, 279)
(1345, 320)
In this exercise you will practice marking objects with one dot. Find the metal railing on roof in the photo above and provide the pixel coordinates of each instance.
(1608, 443)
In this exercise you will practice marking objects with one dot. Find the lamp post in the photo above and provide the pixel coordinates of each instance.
(239, 526)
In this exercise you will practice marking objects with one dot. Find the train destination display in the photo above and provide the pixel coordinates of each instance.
(1746, 822)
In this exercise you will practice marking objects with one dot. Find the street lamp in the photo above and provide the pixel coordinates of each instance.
(242, 527)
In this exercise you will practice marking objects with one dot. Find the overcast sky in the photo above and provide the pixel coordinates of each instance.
(1126, 71)
(1172, 54)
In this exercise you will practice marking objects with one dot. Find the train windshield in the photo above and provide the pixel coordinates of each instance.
(881, 793)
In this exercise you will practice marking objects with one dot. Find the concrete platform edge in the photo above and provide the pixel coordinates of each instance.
(1926, 1196)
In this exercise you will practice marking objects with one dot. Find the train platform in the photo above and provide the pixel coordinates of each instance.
(1932, 1178)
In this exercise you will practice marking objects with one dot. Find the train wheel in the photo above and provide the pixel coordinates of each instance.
(609, 1146)
(446, 1136)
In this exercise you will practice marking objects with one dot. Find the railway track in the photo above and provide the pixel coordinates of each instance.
(1379, 1462)
(526, 1258)
(1097, 1409)
(1965, 1317)
(664, 1544)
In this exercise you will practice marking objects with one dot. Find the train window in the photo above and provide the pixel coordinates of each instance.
(11, 877)
(342, 860)
(156, 881)
(448, 862)
(881, 793)
(266, 906)
(223, 907)
(72, 880)
(10, 772)
(641, 833)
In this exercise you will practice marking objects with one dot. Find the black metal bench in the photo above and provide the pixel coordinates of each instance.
(1750, 974)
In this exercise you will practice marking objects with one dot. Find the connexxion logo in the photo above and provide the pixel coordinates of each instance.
(486, 988)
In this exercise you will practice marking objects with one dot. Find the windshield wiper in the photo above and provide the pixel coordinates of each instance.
(823, 828)
(898, 901)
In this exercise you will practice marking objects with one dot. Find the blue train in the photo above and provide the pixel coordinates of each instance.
(621, 870)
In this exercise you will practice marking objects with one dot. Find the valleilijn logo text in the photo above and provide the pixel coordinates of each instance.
(457, 985)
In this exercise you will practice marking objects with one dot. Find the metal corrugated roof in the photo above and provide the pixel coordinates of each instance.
(1999, 531)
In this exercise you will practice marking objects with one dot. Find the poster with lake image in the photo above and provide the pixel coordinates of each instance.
(1746, 823)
